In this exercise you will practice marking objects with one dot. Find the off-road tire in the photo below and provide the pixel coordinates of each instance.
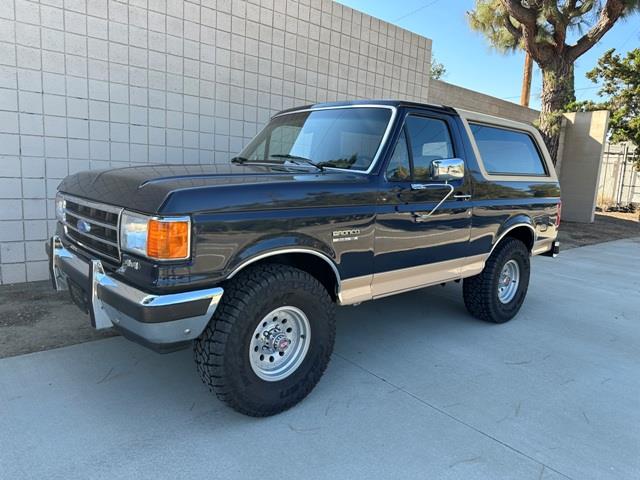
(222, 351)
(481, 291)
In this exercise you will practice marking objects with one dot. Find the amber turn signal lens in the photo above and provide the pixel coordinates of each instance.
(168, 240)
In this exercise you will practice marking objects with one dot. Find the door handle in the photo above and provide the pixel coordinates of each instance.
(421, 217)
(427, 186)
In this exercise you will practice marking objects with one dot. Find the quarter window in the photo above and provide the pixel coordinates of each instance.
(399, 169)
(507, 152)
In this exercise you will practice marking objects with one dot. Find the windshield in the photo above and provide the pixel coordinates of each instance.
(341, 137)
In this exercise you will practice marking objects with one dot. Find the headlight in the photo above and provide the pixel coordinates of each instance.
(133, 233)
(61, 204)
(156, 238)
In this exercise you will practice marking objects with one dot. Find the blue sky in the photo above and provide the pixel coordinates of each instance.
(471, 63)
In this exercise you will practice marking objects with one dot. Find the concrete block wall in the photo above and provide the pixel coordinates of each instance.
(443, 93)
(102, 83)
(583, 145)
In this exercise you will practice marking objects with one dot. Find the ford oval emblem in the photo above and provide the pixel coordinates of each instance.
(83, 226)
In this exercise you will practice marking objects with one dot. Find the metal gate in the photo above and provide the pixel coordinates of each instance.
(619, 184)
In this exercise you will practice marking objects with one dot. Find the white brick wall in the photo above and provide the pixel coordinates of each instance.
(105, 83)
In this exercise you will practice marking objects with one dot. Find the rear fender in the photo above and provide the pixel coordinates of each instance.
(510, 228)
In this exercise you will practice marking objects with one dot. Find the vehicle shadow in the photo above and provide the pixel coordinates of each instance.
(432, 311)
(126, 387)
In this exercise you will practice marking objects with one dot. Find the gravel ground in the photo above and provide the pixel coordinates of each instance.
(33, 317)
(607, 227)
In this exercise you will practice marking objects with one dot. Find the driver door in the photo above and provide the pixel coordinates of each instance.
(424, 215)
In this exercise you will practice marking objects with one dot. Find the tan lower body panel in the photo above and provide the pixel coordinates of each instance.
(541, 246)
(355, 290)
(368, 287)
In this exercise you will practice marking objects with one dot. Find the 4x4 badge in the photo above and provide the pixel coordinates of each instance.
(128, 263)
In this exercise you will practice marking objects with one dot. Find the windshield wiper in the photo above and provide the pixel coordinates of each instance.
(239, 160)
(298, 159)
(293, 158)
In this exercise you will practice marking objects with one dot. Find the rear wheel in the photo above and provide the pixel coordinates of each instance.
(269, 340)
(498, 292)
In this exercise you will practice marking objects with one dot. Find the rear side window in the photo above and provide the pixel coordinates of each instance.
(507, 151)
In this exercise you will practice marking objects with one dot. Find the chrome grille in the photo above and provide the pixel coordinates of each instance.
(93, 226)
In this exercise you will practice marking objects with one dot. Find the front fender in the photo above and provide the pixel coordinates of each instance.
(270, 245)
(224, 243)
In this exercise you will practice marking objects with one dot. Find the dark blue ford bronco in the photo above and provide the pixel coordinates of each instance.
(331, 204)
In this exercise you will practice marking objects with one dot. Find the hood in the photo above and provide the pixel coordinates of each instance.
(181, 189)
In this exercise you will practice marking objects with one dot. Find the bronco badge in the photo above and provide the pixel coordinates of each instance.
(346, 235)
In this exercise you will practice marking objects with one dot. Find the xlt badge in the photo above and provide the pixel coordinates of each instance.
(346, 235)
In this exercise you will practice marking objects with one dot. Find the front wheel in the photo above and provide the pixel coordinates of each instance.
(269, 340)
(498, 292)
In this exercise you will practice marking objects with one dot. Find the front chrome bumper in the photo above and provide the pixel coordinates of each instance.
(157, 321)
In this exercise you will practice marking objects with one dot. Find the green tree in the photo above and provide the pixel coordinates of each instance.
(438, 70)
(620, 79)
(540, 27)
(620, 87)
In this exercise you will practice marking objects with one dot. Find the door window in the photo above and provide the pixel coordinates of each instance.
(429, 139)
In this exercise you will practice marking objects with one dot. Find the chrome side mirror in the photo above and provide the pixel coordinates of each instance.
(447, 169)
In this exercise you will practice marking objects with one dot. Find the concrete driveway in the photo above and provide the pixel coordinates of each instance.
(416, 389)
